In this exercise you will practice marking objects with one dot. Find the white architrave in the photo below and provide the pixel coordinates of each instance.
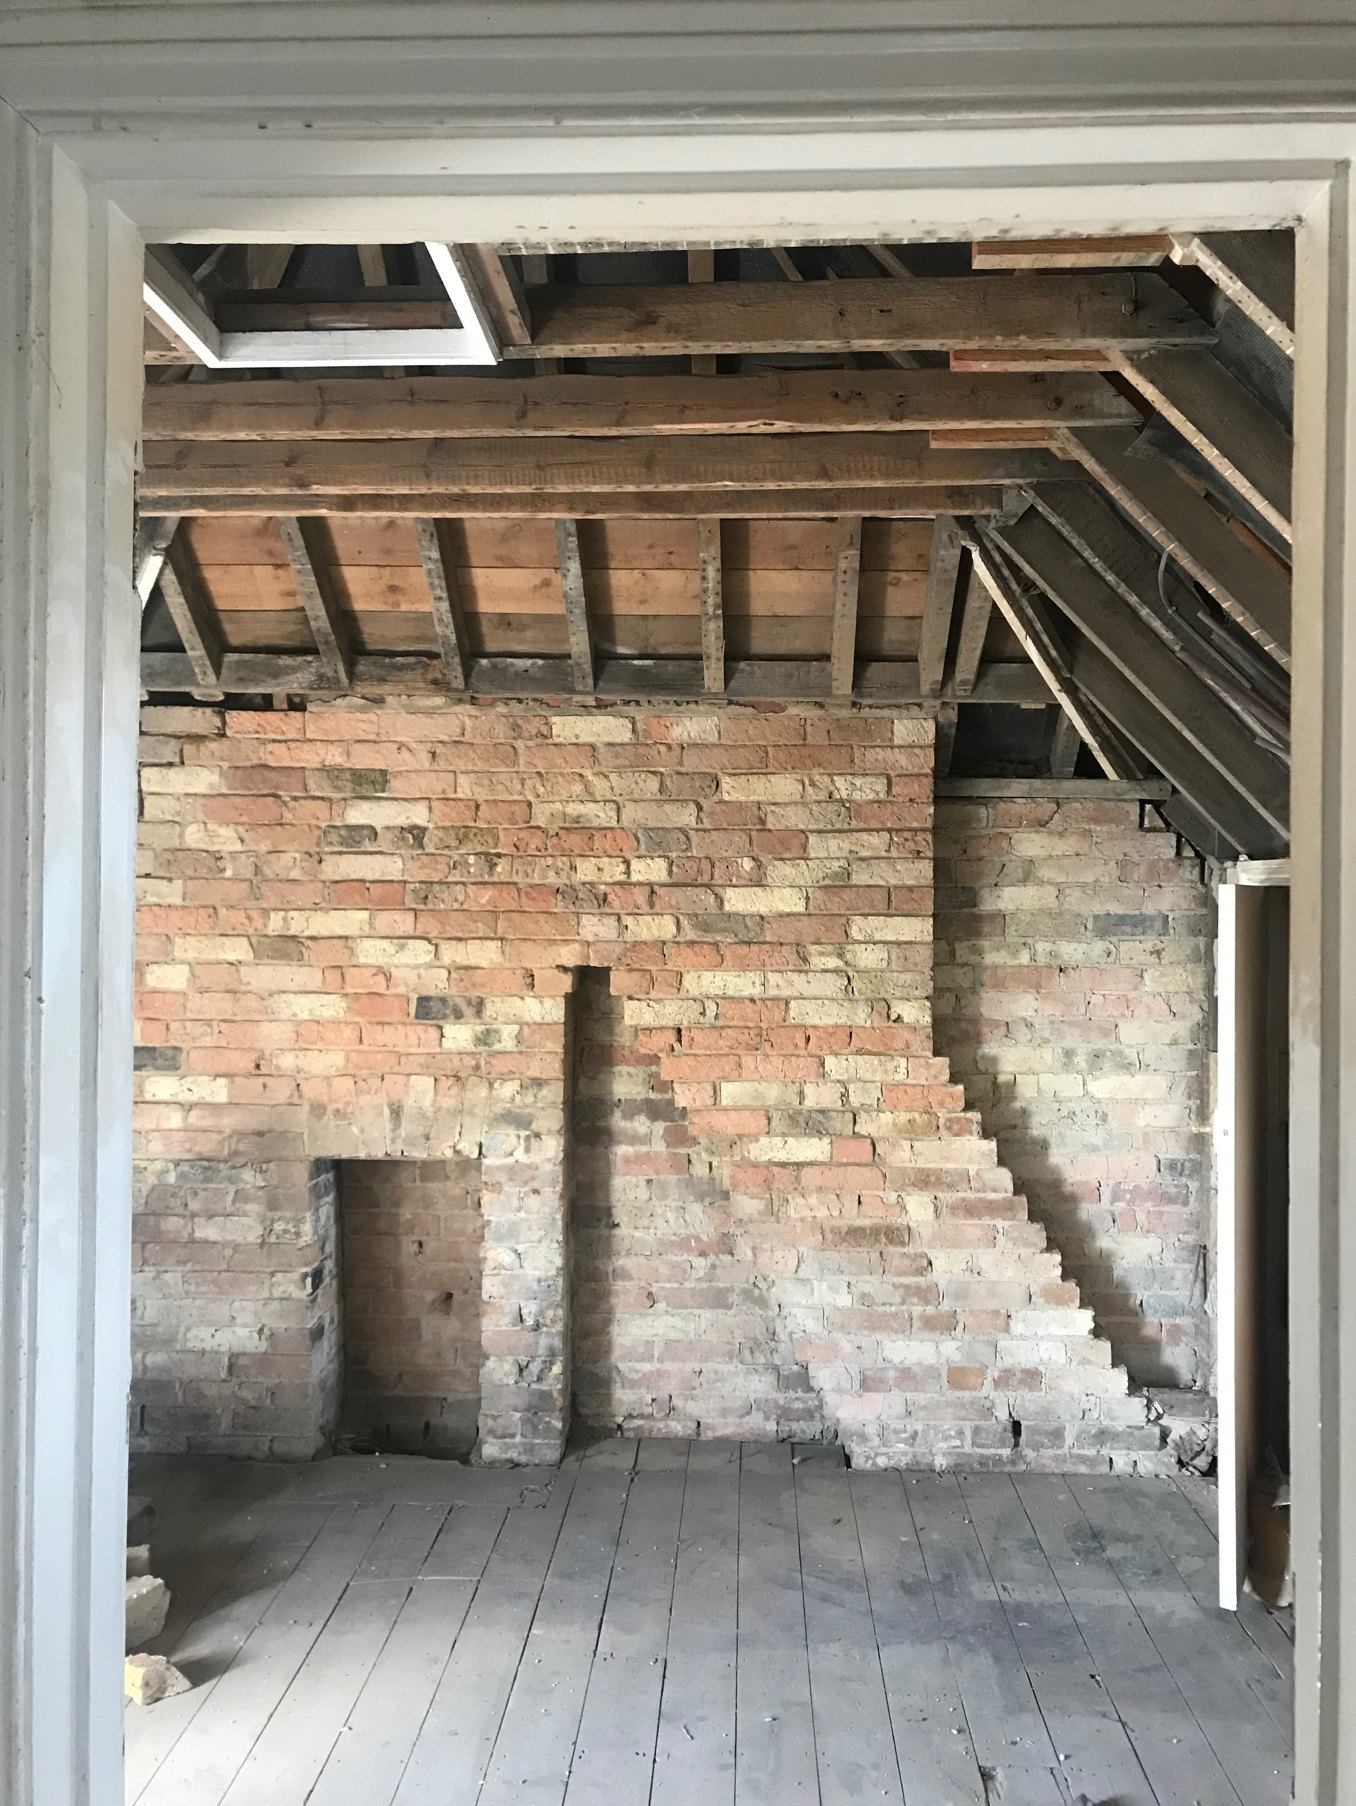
(600, 124)
(69, 629)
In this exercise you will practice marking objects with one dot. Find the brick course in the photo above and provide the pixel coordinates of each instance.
(359, 930)
(1073, 1000)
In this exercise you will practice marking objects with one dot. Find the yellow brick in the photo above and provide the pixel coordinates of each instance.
(165, 978)
(649, 928)
(325, 924)
(593, 730)
(232, 949)
(890, 928)
(393, 952)
(765, 899)
(194, 1088)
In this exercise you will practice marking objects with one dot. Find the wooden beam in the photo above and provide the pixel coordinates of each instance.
(440, 572)
(179, 308)
(976, 613)
(311, 572)
(576, 606)
(1228, 426)
(847, 560)
(1256, 270)
(1128, 253)
(1108, 622)
(193, 615)
(792, 401)
(1162, 742)
(906, 503)
(1184, 524)
(266, 265)
(153, 537)
(615, 466)
(501, 295)
(372, 263)
(1043, 643)
(712, 605)
(1042, 311)
(1064, 747)
(939, 606)
(1001, 358)
(884, 683)
(944, 742)
(1060, 790)
(701, 267)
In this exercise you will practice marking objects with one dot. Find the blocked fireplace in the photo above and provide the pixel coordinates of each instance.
(410, 1251)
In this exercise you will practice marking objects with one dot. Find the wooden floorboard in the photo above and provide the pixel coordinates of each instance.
(695, 1750)
(775, 1724)
(707, 1624)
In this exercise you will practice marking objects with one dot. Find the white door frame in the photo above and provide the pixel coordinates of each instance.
(120, 122)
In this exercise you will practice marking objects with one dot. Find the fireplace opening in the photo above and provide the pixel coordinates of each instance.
(410, 1252)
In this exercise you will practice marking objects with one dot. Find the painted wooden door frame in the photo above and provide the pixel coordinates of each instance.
(119, 126)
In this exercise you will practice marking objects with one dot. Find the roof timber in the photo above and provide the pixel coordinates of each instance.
(615, 466)
(1230, 428)
(1161, 740)
(886, 682)
(802, 401)
(1048, 311)
(1247, 585)
(903, 503)
(1197, 714)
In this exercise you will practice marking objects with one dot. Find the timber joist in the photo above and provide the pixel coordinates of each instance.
(927, 490)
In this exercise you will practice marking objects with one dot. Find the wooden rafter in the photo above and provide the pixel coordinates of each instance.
(318, 600)
(501, 295)
(1107, 621)
(847, 562)
(712, 602)
(1246, 585)
(193, 614)
(154, 534)
(457, 407)
(1161, 741)
(1064, 747)
(613, 466)
(940, 604)
(440, 573)
(1041, 311)
(1256, 270)
(1229, 427)
(976, 613)
(1040, 638)
(576, 606)
(701, 267)
(948, 719)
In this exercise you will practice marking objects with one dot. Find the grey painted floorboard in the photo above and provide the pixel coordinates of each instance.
(705, 1624)
(854, 1737)
(932, 1735)
(695, 1751)
(453, 1747)
(614, 1754)
(775, 1730)
(535, 1748)
(371, 1751)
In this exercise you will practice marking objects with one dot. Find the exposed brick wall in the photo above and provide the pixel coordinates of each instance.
(411, 1252)
(359, 929)
(1072, 999)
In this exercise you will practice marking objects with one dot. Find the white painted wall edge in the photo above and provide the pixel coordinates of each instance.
(69, 630)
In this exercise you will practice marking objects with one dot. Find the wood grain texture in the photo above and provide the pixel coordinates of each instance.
(455, 407)
(1036, 311)
(846, 583)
